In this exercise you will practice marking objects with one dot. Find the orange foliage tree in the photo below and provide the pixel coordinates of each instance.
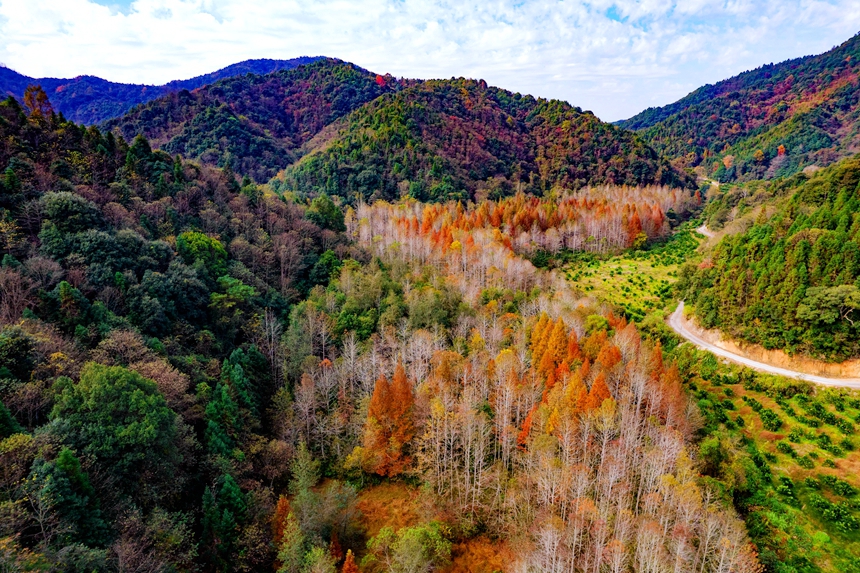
(349, 565)
(389, 427)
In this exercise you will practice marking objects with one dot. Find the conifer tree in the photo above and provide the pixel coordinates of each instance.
(598, 393)
(349, 565)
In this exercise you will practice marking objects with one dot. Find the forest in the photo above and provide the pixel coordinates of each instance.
(332, 127)
(442, 140)
(765, 123)
(256, 124)
(202, 373)
(91, 100)
(789, 281)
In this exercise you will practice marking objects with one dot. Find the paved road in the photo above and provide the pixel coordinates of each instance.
(677, 324)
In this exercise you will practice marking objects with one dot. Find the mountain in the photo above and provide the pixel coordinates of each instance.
(91, 100)
(257, 123)
(448, 139)
(771, 121)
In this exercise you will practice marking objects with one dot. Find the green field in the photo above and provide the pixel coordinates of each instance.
(637, 282)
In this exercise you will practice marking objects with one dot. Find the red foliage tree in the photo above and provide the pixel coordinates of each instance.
(598, 393)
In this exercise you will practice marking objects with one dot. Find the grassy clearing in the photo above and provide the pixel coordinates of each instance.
(638, 282)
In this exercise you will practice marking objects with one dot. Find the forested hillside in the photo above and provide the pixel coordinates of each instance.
(254, 123)
(91, 100)
(203, 375)
(449, 139)
(769, 122)
(790, 281)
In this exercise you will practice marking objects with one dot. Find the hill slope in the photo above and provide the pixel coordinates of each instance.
(257, 122)
(90, 100)
(790, 280)
(449, 139)
(771, 121)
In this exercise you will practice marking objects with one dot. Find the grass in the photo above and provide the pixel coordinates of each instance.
(637, 282)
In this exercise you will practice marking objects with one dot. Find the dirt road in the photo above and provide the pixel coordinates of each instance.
(677, 324)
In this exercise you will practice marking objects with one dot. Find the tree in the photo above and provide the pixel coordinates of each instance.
(122, 421)
(418, 549)
(71, 213)
(36, 99)
(291, 546)
(326, 214)
(349, 565)
(828, 305)
(389, 427)
(598, 393)
(72, 497)
(224, 510)
(194, 246)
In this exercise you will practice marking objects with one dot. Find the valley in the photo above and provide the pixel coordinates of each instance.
(308, 318)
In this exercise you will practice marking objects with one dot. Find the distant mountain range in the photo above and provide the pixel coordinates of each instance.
(768, 122)
(91, 100)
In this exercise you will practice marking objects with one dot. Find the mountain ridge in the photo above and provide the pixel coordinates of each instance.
(772, 121)
(90, 99)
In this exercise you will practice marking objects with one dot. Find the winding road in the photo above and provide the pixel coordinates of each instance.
(677, 324)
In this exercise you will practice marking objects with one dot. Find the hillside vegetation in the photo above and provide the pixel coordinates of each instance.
(254, 123)
(202, 375)
(790, 280)
(91, 100)
(450, 139)
(768, 122)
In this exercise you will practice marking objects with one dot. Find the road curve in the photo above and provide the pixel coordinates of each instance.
(705, 231)
(677, 324)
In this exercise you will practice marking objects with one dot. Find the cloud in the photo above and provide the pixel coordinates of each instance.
(614, 57)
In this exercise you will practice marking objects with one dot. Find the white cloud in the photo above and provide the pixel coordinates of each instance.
(615, 57)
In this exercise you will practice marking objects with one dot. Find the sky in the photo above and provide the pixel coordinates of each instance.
(613, 57)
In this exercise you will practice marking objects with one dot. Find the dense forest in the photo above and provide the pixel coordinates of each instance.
(344, 131)
(202, 374)
(91, 100)
(769, 122)
(460, 139)
(789, 281)
(255, 123)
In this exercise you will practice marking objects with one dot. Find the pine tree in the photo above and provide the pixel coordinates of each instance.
(282, 510)
(291, 547)
(609, 356)
(389, 427)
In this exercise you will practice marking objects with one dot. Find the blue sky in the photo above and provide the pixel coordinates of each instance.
(614, 57)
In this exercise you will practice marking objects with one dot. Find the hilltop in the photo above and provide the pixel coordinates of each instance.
(768, 122)
(257, 123)
(462, 139)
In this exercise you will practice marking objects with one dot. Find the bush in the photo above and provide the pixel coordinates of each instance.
(770, 420)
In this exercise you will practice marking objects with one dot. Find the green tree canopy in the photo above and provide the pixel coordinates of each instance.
(120, 419)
